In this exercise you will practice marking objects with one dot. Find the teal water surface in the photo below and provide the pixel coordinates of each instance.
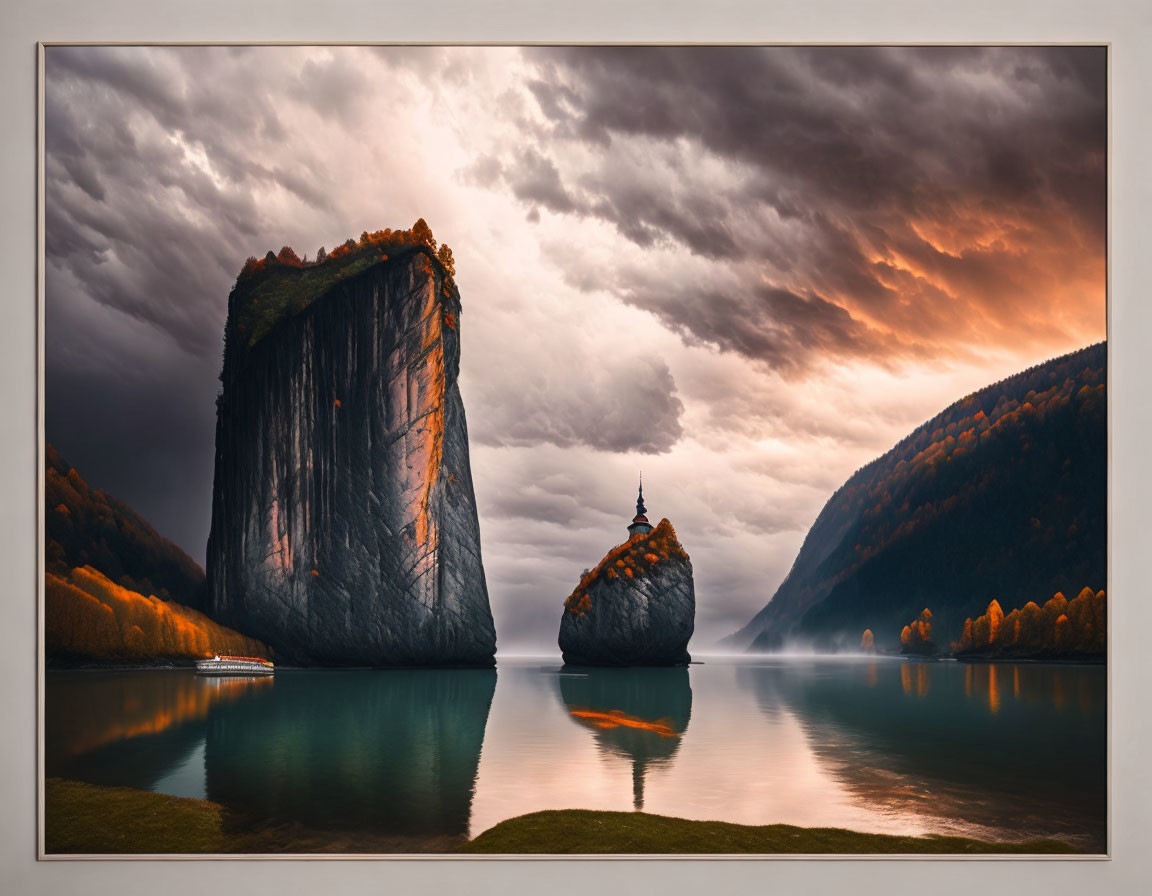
(419, 760)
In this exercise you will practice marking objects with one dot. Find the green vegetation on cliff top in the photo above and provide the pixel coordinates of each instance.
(282, 285)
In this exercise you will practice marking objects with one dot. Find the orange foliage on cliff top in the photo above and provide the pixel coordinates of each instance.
(420, 234)
(282, 284)
(1079, 626)
(89, 616)
(632, 558)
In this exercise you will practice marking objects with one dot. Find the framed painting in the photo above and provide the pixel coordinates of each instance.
(665, 452)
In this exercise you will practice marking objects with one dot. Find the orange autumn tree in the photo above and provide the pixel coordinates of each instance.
(916, 637)
(867, 640)
(87, 616)
(281, 284)
(1060, 628)
(633, 558)
(444, 256)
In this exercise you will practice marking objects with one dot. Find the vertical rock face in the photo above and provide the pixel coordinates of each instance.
(636, 608)
(344, 526)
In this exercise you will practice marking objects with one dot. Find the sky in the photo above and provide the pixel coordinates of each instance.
(745, 271)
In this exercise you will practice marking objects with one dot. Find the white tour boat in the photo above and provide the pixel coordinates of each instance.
(235, 665)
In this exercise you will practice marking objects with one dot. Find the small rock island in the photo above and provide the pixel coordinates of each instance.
(637, 607)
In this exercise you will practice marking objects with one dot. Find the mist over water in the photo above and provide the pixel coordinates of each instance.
(418, 760)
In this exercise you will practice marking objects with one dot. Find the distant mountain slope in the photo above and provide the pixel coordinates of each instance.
(87, 527)
(1002, 495)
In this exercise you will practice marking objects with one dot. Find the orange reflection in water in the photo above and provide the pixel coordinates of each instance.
(993, 691)
(918, 681)
(192, 700)
(614, 718)
(982, 681)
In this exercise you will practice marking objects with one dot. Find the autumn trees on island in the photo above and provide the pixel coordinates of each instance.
(916, 637)
(1060, 629)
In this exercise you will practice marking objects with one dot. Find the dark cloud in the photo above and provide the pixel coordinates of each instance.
(767, 323)
(926, 192)
(535, 180)
(160, 165)
(333, 88)
(776, 326)
(486, 171)
(135, 417)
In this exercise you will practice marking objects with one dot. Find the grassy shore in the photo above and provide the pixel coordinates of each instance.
(580, 831)
(86, 819)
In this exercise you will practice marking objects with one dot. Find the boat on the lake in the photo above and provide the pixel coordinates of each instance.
(235, 665)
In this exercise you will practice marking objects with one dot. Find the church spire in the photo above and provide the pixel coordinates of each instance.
(640, 524)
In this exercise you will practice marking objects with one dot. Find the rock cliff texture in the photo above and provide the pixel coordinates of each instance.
(344, 527)
(636, 608)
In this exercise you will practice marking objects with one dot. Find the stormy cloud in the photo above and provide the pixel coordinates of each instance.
(744, 271)
(931, 194)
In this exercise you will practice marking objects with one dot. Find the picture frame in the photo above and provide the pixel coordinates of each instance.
(1127, 32)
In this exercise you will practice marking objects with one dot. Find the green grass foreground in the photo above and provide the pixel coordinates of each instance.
(580, 831)
(88, 819)
(84, 818)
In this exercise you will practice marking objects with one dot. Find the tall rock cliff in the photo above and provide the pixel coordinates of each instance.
(636, 608)
(344, 526)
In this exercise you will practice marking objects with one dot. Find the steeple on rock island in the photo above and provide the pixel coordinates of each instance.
(637, 607)
(344, 525)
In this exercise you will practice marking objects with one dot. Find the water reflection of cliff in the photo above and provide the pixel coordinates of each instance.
(378, 753)
(937, 738)
(130, 728)
(638, 714)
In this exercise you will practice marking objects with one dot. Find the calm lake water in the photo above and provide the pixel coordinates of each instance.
(406, 761)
